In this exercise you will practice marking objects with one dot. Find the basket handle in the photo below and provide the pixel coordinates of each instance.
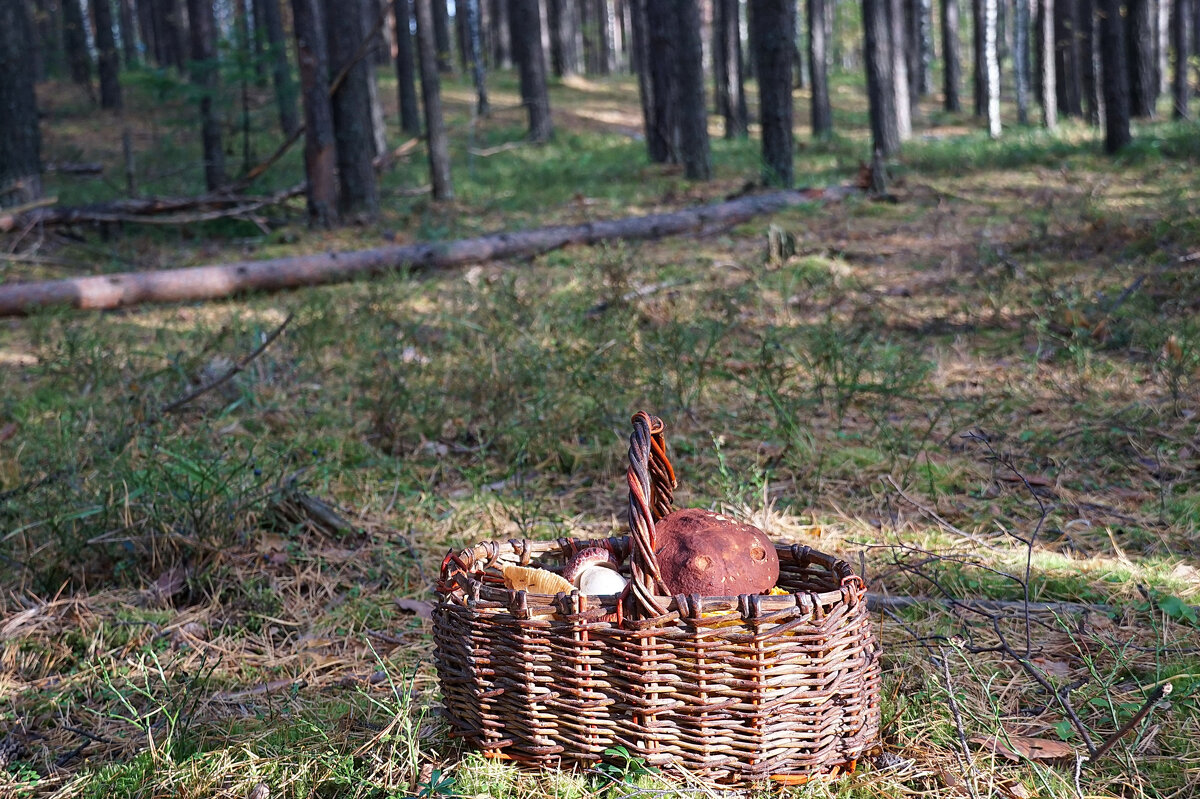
(651, 491)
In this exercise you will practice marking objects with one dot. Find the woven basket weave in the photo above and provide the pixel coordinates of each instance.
(735, 689)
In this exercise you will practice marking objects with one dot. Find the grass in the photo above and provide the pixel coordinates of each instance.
(168, 608)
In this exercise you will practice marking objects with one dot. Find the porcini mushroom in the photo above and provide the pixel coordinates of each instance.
(594, 572)
(700, 552)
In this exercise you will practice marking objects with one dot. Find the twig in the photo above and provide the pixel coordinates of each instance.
(958, 725)
(1155, 697)
(172, 407)
(931, 513)
(91, 736)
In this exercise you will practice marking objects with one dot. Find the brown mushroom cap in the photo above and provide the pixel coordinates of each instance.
(700, 552)
(592, 556)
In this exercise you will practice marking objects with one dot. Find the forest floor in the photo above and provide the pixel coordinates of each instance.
(999, 368)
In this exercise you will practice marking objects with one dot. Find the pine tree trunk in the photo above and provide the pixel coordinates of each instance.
(727, 61)
(772, 22)
(881, 95)
(979, 73)
(898, 46)
(441, 32)
(1092, 96)
(1181, 41)
(320, 151)
(173, 34)
(1116, 77)
(128, 33)
(501, 38)
(524, 21)
(818, 67)
(992, 59)
(662, 141)
(353, 127)
(406, 86)
(1021, 58)
(1070, 63)
(205, 74)
(271, 22)
(20, 138)
(258, 39)
(146, 27)
(1049, 70)
(951, 58)
(693, 107)
(645, 65)
(431, 93)
(603, 37)
(1139, 38)
(109, 61)
(720, 60)
(75, 42)
(912, 52)
(475, 41)
(558, 44)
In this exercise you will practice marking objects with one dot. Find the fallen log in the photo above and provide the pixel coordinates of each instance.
(124, 289)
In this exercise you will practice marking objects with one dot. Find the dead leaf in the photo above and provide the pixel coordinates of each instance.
(1014, 747)
(1055, 668)
(423, 608)
(1014, 789)
(8, 431)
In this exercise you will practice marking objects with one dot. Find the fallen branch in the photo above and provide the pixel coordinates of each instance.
(121, 290)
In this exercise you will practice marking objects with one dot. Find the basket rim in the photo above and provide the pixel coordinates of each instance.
(459, 577)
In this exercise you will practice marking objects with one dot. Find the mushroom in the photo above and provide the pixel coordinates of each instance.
(594, 572)
(700, 552)
(539, 581)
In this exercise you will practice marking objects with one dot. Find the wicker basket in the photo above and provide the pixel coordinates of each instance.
(736, 689)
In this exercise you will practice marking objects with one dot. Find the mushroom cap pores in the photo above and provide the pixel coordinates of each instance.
(700, 552)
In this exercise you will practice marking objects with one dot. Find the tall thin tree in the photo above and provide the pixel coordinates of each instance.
(441, 32)
(1116, 77)
(1049, 71)
(898, 47)
(727, 53)
(320, 149)
(353, 127)
(1021, 58)
(818, 70)
(881, 95)
(992, 61)
(1181, 41)
(772, 20)
(1139, 39)
(108, 60)
(205, 71)
(431, 93)
(952, 61)
(524, 21)
(662, 131)
(20, 138)
(474, 48)
(128, 32)
(271, 23)
(75, 41)
(406, 84)
(693, 109)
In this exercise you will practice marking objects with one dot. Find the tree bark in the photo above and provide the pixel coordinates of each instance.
(925, 29)
(20, 138)
(474, 47)
(406, 84)
(656, 144)
(772, 20)
(881, 95)
(75, 42)
(1162, 49)
(224, 280)
(281, 72)
(952, 61)
(172, 34)
(818, 69)
(992, 60)
(525, 24)
(1116, 77)
(206, 76)
(662, 139)
(1049, 69)
(128, 32)
(431, 93)
(557, 12)
(727, 64)
(1021, 58)
(899, 44)
(320, 151)
(693, 107)
(1181, 41)
(441, 32)
(1070, 57)
(109, 61)
(1092, 95)
(353, 127)
(501, 38)
(1139, 38)
(978, 50)
(147, 29)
